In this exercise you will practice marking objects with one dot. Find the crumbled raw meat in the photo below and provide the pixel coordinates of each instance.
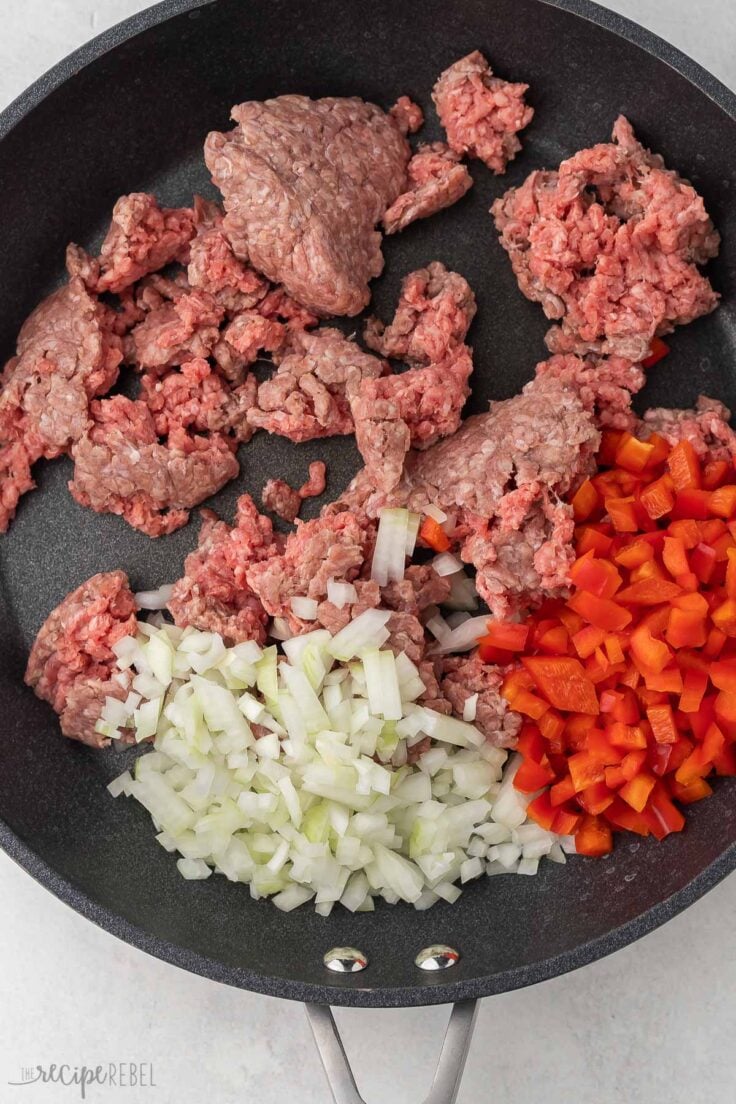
(411, 409)
(197, 397)
(500, 478)
(67, 353)
(304, 183)
(71, 662)
(309, 395)
(214, 268)
(437, 179)
(481, 114)
(317, 551)
(250, 335)
(176, 332)
(280, 305)
(609, 246)
(334, 618)
(285, 501)
(463, 676)
(142, 238)
(605, 385)
(706, 428)
(406, 634)
(214, 595)
(120, 467)
(421, 587)
(408, 115)
(433, 316)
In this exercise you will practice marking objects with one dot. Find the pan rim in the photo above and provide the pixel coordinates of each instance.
(443, 991)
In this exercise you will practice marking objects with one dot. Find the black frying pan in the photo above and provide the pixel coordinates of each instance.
(129, 112)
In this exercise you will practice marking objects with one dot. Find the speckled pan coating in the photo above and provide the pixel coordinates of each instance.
(130, 111)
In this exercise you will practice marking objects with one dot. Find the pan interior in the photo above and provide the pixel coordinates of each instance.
(134, 119)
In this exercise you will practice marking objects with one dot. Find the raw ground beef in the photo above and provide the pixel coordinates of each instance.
(706, 428)
(412, 409)
(437, 179)
(197, 397)
(142, 238)
(120, 467)
(609, 246)
(309, 395)
(500, 478)
(304, 183)
(319, 550)
(250, 335)
(214, 268)
(71, 662)
(214, 595)
(605, 385)
(66, 354)
(407, 115)
(463, 676)
(481, 114)
(285, 501)
(178, 331)
(433, 315)
(420, 588)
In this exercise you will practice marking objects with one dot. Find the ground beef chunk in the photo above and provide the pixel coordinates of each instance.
(309, 395)
(214, 268)
(120, 467)
(71, 662)
(605, 386)
(197, 397)
(609, 246)
(285, 501)
(706, 428)
(176, 332)
(481, 114)
(67, 353)
(433, 316)
(500, 479)
(317, 551)
(214, 595)
(407, 115)
(142, 238)
(410, 409)
(437, 179)
(334, 618)
(420, 588)
(304, 183)
(406, 634)
(250, 335)
(463, 676)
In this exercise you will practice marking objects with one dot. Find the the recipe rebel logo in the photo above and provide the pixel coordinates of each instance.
(111, 1075)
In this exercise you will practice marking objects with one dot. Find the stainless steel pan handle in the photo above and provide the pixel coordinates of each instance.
(450, 1065)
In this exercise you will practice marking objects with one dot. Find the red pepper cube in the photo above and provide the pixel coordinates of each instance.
(648, 652)
(650, 591)
(724, 617)
(661, 814)
(584, 770)
(657, 351)
(658, 497)
(715, 474)
(662, 720)
(693, 690)
(684, 466)
(686, 629)
(585, 501)
(725, 713)
(634, 554)
(529, 704)
(622, 514)
(541, 811)
(432, 534)
(633, 455)
(562, 791)
(601, 612)
(596, 798)
(636, 792)
(723, 501)
(598, 576)
(508, 635)
(695, 791)
(593, 837)
(624, 817)
(566, 822)
(591, 537)
(532, 776)
(587, 640)
(563, 682)
(675, 557)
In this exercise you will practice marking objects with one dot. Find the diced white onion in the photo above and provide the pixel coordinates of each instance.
(435, 512)
(305, 608)
(340, 593)
(470, 708)
(389, 555)
(447, 564)
(465, 636)
(154, 599)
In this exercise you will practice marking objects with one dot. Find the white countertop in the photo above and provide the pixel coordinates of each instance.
(653, 1023)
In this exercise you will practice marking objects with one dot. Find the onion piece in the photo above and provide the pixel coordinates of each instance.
(305, 608)
(447, 564)
(154, 599)
(389, 555)
(465, 636)
(435, 512)
(340, 593)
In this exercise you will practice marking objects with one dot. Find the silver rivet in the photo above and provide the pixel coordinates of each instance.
(345, 960)
(437, 957)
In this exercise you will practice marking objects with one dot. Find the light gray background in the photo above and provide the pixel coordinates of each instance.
(653, 1023)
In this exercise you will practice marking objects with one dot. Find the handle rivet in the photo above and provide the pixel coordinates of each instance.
(437, 957)
(345, 960)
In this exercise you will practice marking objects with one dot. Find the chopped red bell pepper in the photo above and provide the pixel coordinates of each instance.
(432, 533)
(507, 635)
(684, 467)
(657, 351)
(563, 682)
(593, 837)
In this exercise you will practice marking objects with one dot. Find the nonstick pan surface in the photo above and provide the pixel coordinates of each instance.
(129, 112)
